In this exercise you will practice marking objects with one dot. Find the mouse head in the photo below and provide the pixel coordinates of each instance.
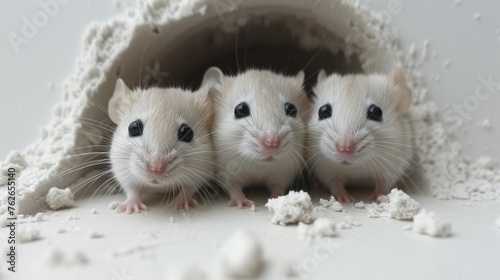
(260, 115)
(161, 134)
(354, 114)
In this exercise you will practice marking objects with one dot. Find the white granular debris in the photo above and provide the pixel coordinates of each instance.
(359, 205)
(186, 271)
(113, 205)
(93, 211)
(73, 216)
(397, 205)
(447, 63)
(291, 208)
(478, 16)
(253, 208)
(348, 222)
(95, 234)
(172, 219)
(27, 234)
(457, 3)
(241, 256)
(331, 204)
(486, 123)
(498, 222)
(426, 223)
(322, 227)
(60, 198)
(56, 257)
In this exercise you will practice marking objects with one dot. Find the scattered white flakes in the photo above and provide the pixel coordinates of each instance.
(27, 234)
(331, 204)
(447, 63)
(383, 198)
(399, 206)
(457, 3)
(486, 123)
(93, 211)
(113, 205)
(359, 205)
(253, 208)
(348, 222)
(434, 54)
(241, 256)
(59, 198)
(186, 271)
(172, 219)
(426, 223)
(95, 234)
(322, 227)
(498, 222)
(51, 85)
(292, 208)
(478, 16)
(73, 216)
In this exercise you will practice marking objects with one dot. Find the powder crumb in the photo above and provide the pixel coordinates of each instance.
(426, 223)
(397, 205)
(172, 219)
(457, 3)
(61, 230)
(113, 205)
(478, 16)
(95, 234)
(60, 198)
(241, 256)
(498, 222)
(73, 216)
(447, 63)
(291, 208)
(51, 85)
(322, 227)
(186, 271)
(80, 258)
(359, 205)
(348, 222)
(331, 204)
(27, 234)
(486, 123)
(253, 208)
(55, 257)
(93, 211)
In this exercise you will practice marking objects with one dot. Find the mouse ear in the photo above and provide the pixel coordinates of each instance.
(299, 78)
(399, 90)
(115, 103)
(212, 77)
(321, 75)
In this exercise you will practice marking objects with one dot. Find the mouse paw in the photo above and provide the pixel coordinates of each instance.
(131, 206)
(240, 202)
(342, 196)
(183, 202)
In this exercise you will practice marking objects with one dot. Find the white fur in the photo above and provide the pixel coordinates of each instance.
(236, 141)
(385, 148)
(162, 111)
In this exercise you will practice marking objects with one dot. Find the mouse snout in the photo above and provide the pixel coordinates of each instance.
(157, 166)
(271, 142)
(346, 146)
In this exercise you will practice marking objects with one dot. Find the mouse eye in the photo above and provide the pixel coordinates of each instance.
(185, 133)
(242, 110)
(135, 128)
(374, 113)
(325, 112)
(290, 110)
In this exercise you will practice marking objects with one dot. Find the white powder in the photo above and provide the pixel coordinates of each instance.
(322, 227)
(186, 271)
(59, 198)
(172, 220)
(95, 234)
(241, 256)
(348, 222)
(56, 257)
(113, 205)
(253, 208)
(73, 216)
(397, 205)
(93, 211)
(291, 208)
(478, 16)
(39, 217)
(498, 222)
(486, 123)
(27, 234)
(331, 204)
(447, 63)
(426, 223)
(359, 205)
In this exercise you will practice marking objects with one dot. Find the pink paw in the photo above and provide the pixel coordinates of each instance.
(240, 202)
(342, 196)
(130, 206)
(182, 202)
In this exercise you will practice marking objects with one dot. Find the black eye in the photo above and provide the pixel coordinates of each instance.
(135, 128)
(242, 110)
(325, 112)
(185, 133)
(374, 113)
(290, 110)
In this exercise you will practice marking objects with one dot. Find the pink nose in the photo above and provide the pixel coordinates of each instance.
(271, 142)
(157, 166)
(346, 147)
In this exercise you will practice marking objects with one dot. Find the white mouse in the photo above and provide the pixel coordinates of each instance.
(259, 130)
(359, 132)
(161, 142)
